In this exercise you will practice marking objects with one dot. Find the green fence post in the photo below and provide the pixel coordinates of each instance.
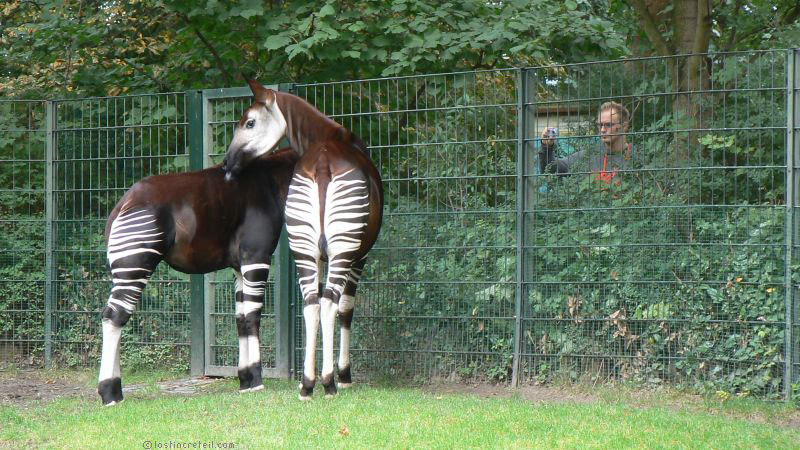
(48, 233)
(792, 190)
(284, 284)
(520, 237)
(194, 107)
(283, 316)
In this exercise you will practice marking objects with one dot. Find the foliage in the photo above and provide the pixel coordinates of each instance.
(733, 26)
(55, 48)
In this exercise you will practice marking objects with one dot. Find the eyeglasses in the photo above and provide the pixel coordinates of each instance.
(606, 124)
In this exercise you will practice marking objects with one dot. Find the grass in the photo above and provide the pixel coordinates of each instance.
(381, 417)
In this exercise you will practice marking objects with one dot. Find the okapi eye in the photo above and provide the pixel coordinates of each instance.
(250, 123)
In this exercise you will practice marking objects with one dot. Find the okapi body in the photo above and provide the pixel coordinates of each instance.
(197, 222)
(333, 214)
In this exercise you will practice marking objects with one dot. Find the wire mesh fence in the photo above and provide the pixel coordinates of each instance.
(673, 268)
(22, 230)
(101, 148)
(672, 261)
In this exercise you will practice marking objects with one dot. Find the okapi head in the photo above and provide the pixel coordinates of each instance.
(261, 127)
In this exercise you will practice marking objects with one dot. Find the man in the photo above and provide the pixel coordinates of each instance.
(613, 121)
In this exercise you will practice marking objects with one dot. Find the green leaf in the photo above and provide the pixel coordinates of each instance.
(275, 42)
(248, 13)
(326, 10)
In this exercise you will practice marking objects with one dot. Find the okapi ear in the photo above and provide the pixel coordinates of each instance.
(261, 93)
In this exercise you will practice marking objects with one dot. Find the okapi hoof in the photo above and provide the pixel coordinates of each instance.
(260, 387)
(329, 385)
(345, 380)
(110, 391)
(306, 389)
(250, 378)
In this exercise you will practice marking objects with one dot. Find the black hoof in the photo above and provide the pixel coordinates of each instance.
(250, 378)
(329, 385)
(344, 375)
(110, 391)
(306, 387)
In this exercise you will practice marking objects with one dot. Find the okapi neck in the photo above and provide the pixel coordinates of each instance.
(305, 125)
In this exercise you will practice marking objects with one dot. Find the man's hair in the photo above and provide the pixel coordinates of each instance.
(618, 108)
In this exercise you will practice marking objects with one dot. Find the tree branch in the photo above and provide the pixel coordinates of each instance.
(133, 66)
(648, 23)
(220, 65)
(790, 15)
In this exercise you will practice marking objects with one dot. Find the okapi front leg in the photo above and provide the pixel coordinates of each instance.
(251, 283)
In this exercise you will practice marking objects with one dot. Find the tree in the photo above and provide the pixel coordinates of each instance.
(695, 27)
(92, 47)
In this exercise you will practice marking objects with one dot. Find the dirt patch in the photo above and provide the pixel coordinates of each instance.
(24, 388)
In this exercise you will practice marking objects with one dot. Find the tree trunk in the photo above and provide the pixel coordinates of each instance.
(691, 25)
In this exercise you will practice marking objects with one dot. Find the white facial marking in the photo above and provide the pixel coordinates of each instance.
(263, 127)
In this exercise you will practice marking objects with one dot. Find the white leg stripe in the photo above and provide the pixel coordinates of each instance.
(244, 353)
(255, 350)
(116, 256)
(109, 364)
(311, 316)
(246, 307)
(130, 269)
(328, 313)
(248, 267)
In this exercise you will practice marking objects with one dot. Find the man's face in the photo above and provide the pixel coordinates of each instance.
(609, 126)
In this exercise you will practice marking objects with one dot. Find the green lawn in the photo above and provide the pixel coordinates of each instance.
(383, 417)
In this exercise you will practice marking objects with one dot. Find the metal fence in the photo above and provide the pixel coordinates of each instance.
(681, 271)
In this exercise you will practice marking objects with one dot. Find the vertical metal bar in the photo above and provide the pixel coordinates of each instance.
(520, 206)
(792, 190)
(48, 233)
(284, 284)
(282, 304)
(209, 299)
(194, 107)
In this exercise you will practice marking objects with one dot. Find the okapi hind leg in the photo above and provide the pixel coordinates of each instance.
(346, 305)
(135, 246)
(251, 284)
(337, 299)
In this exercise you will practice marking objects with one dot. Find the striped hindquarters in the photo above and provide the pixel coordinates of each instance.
(134, 249)
(304, 229)
(346, 217)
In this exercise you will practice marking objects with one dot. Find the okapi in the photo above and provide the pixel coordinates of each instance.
(197, 222)
(333, 214)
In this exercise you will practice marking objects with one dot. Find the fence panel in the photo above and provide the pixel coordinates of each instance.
(674, 271)
(22, 231)
(102, 147)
